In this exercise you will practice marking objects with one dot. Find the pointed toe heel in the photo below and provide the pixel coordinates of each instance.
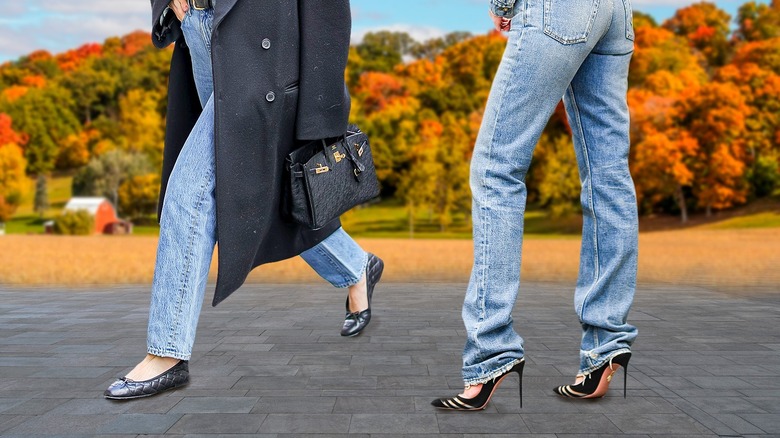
(480, 402)
(596, 384)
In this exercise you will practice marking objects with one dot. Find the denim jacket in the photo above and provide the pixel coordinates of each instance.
(505, 8)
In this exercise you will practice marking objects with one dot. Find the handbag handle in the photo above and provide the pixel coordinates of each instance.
(357, 166)
(326, 152)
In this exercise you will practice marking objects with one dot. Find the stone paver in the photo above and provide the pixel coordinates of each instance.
(269, 362)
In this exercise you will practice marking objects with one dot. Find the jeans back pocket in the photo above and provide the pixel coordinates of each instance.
(569, 21)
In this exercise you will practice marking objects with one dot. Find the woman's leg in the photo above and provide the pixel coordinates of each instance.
(187, 227)
(598, 114)
(186, 246)
(533, 76)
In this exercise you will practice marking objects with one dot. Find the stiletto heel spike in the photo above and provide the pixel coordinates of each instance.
(479, 402)
(596, 384)
(520, 376)
(625, 378)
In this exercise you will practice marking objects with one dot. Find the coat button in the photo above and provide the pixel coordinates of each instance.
(266, 44)
(270, 96)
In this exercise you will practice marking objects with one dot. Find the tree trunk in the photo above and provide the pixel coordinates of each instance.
(41, 201)
(115, 195)
(680, 195)
(709, 210)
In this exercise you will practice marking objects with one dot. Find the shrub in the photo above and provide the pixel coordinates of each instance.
(764, 177)
(138, 196)
(75, 223)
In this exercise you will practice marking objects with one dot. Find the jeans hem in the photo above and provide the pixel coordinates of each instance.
(601, 363)
(161, 352)
(492, 375)
(352, 282)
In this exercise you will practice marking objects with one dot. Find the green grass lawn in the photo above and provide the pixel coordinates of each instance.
(26, 221)
(758, 220)
(59, 188)
(389, 219)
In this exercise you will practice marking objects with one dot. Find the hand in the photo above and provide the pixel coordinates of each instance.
(502, 24)
(179, 7)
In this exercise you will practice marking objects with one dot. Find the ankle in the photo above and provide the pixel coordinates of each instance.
(358, 296)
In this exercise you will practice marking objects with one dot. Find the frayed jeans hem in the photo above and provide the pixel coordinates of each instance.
(601, 363)
(492, 375)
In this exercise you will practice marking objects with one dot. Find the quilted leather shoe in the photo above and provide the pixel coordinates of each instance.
(355, 322)
(125, 389)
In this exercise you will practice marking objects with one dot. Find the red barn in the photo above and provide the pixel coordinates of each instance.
(106, 221)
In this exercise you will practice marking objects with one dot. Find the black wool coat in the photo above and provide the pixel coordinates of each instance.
(278, 81)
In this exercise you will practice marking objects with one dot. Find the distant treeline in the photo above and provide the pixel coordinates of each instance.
(705, 107)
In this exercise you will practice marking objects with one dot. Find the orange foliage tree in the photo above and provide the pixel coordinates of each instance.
(707, 29)
(13, 181)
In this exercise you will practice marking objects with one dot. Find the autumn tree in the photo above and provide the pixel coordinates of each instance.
(141, 127)
(43, 116)
(706, 27)
(715, 116)
(383, 108)
(559, 187)
(138, 196)
(452, 195)
(105, 174)
(418, 183)
(761, 89)
(659, 50)
(433, 47)
(76, 149)
(382, 51)
(13, 180)
(93, 88)
(758, 21)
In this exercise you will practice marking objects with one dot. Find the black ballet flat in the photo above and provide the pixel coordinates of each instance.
(354, 323)
(126, 389)
(480, 402)
(596, 384)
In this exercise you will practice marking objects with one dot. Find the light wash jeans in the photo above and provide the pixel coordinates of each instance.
(579, 50)
(188, 222)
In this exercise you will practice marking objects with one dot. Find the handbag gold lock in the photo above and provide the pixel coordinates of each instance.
(321, 169)
(339, 156)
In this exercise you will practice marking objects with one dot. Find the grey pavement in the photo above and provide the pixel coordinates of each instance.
(269, 362)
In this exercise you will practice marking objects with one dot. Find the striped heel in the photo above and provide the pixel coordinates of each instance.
(479, 402)
(596, 384)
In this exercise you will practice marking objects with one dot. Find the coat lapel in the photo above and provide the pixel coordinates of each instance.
(221, 9)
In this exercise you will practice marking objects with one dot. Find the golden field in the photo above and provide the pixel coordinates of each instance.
(733, 260)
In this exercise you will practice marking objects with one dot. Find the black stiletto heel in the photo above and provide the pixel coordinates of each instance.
(625, 378)
(479, 402)
(596, 384)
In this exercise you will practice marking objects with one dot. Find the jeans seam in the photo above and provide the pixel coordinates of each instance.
(596, 273)
(336, 265)
(481, 286)
(187, 263)
(206, 38)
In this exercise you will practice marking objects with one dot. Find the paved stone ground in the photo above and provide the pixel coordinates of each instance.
(269, 362)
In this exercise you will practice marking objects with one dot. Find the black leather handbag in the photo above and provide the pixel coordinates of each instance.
(326, 180)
